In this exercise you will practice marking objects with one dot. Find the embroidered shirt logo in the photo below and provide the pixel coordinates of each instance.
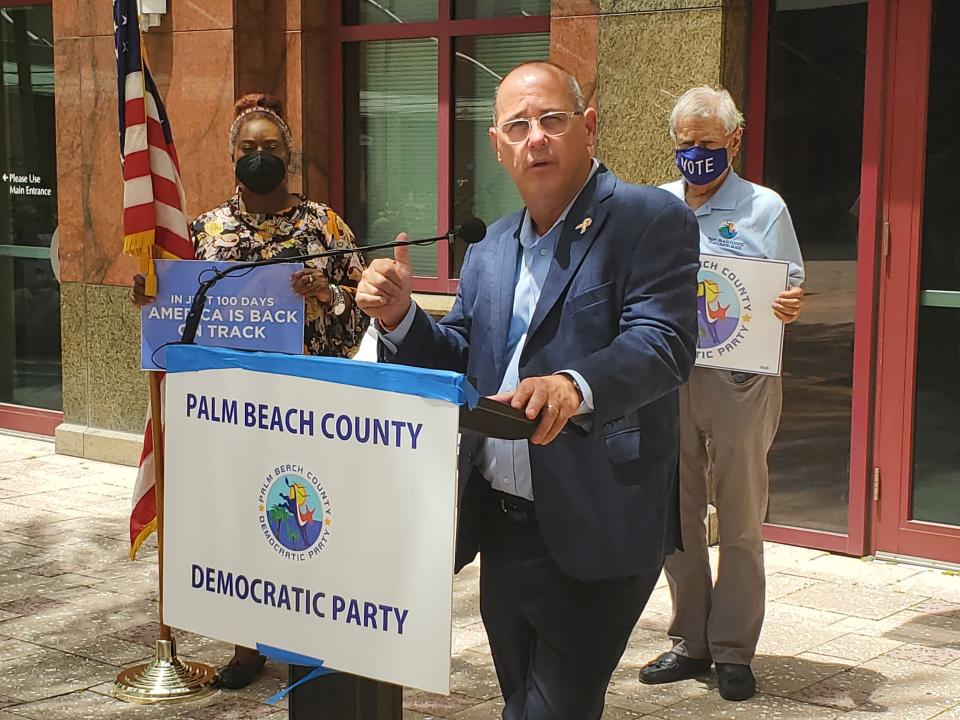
(728, 231)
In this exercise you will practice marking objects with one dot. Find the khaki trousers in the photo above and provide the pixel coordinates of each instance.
(727, 422)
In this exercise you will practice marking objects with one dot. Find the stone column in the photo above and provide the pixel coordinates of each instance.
(633, 57)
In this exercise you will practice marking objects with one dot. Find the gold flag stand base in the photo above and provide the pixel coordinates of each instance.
(165, 679)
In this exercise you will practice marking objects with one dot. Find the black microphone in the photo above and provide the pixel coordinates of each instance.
(471, 231)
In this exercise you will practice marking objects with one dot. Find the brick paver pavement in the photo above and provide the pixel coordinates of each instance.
(844, 638)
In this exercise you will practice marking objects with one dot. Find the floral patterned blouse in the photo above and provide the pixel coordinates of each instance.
(227, 233)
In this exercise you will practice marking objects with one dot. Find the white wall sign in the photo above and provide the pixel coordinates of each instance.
(737, 329)
(26, 184)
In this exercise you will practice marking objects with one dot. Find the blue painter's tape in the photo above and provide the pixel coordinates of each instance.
(434, 384)
(292, 658)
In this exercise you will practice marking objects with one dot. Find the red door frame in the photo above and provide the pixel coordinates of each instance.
(900, 299)
(445, 29)
(36, 421)
(857, 540)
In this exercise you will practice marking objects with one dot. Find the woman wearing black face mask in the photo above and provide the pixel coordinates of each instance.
(264, 220)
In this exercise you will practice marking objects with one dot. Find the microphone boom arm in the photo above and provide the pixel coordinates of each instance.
(239, 267)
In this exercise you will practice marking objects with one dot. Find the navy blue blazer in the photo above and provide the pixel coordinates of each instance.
(619, 307)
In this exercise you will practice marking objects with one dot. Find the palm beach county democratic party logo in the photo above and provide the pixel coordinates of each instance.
(723, 306)
(294, 513)
(728, 230)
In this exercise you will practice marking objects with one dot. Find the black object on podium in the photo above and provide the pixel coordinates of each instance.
(339, 696)
(496, 420)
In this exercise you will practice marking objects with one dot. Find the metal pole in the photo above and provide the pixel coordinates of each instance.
(156, 412)
(166, 678)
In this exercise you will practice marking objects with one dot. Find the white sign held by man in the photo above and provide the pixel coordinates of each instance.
(737, 329)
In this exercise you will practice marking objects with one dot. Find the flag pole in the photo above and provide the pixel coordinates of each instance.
(156, 411)
(166, 678)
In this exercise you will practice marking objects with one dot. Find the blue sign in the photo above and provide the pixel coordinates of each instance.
(252, 310)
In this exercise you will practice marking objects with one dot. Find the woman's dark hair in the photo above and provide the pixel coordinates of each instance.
(259, 105)
(259, 100)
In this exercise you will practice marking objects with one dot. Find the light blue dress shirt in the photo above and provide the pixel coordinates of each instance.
(506, 463)
(743, 219)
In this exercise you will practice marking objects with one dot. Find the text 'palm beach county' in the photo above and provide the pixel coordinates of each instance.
(342, 427)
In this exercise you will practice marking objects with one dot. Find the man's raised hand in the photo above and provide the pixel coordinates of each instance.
(384, 290)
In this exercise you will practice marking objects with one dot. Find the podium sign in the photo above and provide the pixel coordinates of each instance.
(310, 507)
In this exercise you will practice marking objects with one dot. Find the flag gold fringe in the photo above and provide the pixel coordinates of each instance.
(147, 531)
(141, 245)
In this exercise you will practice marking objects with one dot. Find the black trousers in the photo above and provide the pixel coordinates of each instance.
(555, 640)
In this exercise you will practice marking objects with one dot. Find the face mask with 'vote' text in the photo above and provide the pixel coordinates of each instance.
(700, 165)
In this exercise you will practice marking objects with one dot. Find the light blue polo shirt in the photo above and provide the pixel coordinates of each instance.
(746, 220)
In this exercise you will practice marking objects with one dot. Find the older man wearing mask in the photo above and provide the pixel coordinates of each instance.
(581, 307)
(734, 416)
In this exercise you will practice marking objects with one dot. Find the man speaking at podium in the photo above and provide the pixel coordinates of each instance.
(580, 310)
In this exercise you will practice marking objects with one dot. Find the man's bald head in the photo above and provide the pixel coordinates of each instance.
(568, 80)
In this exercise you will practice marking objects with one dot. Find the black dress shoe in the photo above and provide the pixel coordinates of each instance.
(238, 674)
(671, 667)
(736, 681)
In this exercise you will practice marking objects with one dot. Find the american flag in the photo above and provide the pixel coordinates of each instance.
(154, 220)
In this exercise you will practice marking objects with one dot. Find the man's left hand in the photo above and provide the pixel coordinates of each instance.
(554, 398)
(788, 305)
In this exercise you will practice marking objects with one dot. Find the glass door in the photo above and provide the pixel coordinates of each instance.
(918, 450)
(814, 135)
(817, 55)
(29, 290)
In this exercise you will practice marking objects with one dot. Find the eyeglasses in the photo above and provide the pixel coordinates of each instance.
(553, 124)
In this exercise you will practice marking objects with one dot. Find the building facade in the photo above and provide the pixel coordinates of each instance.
(849, 106)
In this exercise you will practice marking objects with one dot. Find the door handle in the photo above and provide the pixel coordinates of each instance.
(885, 245)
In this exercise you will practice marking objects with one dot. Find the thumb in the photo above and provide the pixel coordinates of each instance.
(402, 254)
